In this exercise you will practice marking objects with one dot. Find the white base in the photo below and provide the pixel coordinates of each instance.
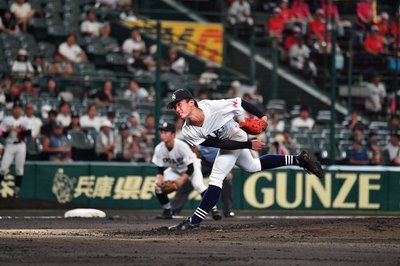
(84, 213)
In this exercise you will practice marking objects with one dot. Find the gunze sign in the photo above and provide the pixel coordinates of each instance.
(123, 185)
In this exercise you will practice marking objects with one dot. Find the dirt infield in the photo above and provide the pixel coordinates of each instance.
(136, 238)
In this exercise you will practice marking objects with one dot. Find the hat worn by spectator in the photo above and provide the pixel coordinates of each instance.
(74, 115)
(22, 52)
(167, 127)
(123, 126)
(106, 123)
(179, 95)
(58, 125)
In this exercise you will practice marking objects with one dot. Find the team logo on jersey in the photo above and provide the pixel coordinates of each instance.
(173, 97)
(216, 133)
(63, 186)
(176, 161)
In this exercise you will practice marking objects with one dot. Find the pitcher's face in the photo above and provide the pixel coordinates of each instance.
(183, 108)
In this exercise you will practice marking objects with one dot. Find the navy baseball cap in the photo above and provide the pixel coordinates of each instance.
(179, 95)
(167, 127)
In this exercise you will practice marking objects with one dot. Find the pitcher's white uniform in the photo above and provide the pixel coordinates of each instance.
(220, 122)
(14, 147)
(177, 161)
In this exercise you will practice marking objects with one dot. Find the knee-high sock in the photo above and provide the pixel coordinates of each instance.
(269, 161)
(18, 180)
(164, 200)
(209, 200)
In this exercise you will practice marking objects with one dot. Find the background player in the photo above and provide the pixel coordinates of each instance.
(182, 164)
(14, 131)
(215, 123)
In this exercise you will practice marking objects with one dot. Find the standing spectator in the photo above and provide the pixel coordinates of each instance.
(23, 12)
(239, 13)
(135, 42)
(391, 152)
(356, 155)
(47, 129)
(105, 96)
(64, 116)
(105, 142)
(8, 23)
(135, 94)
(175, 64)
(90, 26)
(71, 51)
(365, 14)
(376, 95)
(299, 57)
(34, 123)
(303, 120)
(90, 119)
(22, 67)
(57, 145)
(275, 24)
(59, 66)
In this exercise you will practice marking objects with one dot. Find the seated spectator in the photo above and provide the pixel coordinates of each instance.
(394, 122)
(135, 94)
(358, 135)
(376, 95)
(383, 26)
(71, 51)
(275, 123)
(299, 58)
(357, 155)
(151, 60)
(74, 126)
(115, 3)
(64, 116)
(90, 26)
(27, 88)
(134, 123)
(301, 13)
(391, 152)
(365, 14)
(34, 123)
(278, 146)
(13, 95)
(318, 27)
(149, 129)
(105, 142)
(38, 65)
(174, 63)
(22, 67)
(91, 119)
(239, 13)
(109, 43)
(275, 25)
(290, 142)
(136, 64)
(141, 151)
(51, 89)
(8, 23)
(234, 90)
(331, 11)
(209, 78)
(6, 82)
(47, 129)
(303, 120)
(290, 39)
(286, 13)
(59, 66)
(135, 42)
(124, 148)
(110, 115)
(355, 120)
(373, 148)
(373, 43)
(23, 12)
(57, 145)
(106, 95)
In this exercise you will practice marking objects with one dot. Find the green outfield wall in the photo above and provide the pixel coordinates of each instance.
(123, 185)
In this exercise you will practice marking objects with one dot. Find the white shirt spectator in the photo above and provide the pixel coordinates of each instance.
(22, 68)
(94, 122)
(34, 124)
(131, 44)
(376, 92)
(65, 120)
(299, 122)
(71, 52)
(21, 11)
(91, 27)
(240, 12)
(136, 96)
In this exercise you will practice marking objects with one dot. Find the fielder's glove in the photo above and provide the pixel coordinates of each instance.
(253, 126)
(169, 186)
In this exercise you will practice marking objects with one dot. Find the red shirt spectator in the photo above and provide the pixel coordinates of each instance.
(383, 24)
(291, 39)
(364, 13)
(285, 13)
(301, 10)
(373, 42)
(317, 26)
(330, 10)
(275, 24)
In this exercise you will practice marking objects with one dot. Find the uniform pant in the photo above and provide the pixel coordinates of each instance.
(11, 152)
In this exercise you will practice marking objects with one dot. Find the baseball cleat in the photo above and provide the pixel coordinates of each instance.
(184, 225)
(309, 164)
(229, 214)
(166, 214)
(216, 215)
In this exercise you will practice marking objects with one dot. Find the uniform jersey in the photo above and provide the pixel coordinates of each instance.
(12, 122)
(220, 118)
(178, 158)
